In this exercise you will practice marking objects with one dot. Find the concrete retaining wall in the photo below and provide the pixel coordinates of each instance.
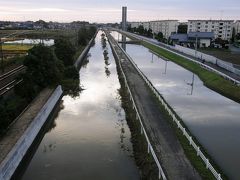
(14, 157)
(78, 62)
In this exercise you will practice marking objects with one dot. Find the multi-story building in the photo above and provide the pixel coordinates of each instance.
(237, 26)
(167, 27)
(221, 28)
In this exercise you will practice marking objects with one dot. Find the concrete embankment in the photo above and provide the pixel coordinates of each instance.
(84, 53)
(15, 144)
(168, 148)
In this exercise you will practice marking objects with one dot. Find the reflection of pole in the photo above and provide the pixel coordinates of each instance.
(1, 51)
(124, 39)
(191, 84)
(165, 71)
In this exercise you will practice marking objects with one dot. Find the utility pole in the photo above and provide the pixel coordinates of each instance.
(196, 47)
(1, 54)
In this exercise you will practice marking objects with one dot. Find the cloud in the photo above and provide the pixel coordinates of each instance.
(44, 10)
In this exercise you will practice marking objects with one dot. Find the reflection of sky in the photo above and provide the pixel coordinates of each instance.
(214, 119)
(88, 142)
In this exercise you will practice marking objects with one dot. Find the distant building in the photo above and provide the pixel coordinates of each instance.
(221, 28)
(167, 27)
(124, 18)
(237, 26)
(203, 39)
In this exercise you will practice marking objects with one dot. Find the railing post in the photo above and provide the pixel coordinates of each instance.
(184, 131)
(207, 163)
(159, 174)
(190, 141)
(198, 151)
(219, 177)
(141, 130)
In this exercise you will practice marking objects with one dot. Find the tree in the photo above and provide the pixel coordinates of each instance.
(233, 34)
(140, 29)
(182, 29)
(149, 32)
(238, 36)
(159, 36)
(43, 67)
(64, 51)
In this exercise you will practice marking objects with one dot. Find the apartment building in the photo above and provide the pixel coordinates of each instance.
(167, 27)
(221, 28)
(237, 26)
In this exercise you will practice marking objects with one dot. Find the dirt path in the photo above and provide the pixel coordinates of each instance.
(21, 124)
(168, 148)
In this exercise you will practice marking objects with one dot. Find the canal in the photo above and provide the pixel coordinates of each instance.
(91, 139)
(212, 118)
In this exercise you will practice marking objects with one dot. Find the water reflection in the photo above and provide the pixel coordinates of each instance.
(212, 118)
(91, 135)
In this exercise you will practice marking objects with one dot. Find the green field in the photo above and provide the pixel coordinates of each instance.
(16, 47)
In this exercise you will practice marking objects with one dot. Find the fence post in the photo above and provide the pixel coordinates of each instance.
(141, 130)
(159, 174)
(190, 141)
(184, 131)
(207, 163)
(219, 177)
(198, 151)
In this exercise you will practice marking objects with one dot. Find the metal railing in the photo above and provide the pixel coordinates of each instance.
(143, 131)
(179, 125)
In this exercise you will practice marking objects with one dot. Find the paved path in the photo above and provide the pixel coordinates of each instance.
(168, 149)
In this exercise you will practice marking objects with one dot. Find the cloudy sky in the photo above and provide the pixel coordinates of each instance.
(110, 10)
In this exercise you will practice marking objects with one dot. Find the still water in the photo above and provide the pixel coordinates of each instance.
(47, 42)
(212, 118)
(91, 139)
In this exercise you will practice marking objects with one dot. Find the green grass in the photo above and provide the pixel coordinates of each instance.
(210, 79)
(16, 47)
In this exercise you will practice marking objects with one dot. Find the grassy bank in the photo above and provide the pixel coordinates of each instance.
(210, 79)
(145, 162)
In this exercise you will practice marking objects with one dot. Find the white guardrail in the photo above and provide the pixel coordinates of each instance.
(143, 131)
(179, 125)
(200, 63)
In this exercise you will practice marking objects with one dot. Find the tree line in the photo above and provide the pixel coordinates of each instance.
(45, 67)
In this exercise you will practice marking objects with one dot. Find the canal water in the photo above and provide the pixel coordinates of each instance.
(91, 139)
(211, 117)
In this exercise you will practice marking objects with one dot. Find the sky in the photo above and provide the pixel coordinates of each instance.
(110, 10)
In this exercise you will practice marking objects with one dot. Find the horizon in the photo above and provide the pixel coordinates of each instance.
(110, 11)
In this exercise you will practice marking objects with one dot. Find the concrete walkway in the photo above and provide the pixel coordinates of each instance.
(168, 149)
